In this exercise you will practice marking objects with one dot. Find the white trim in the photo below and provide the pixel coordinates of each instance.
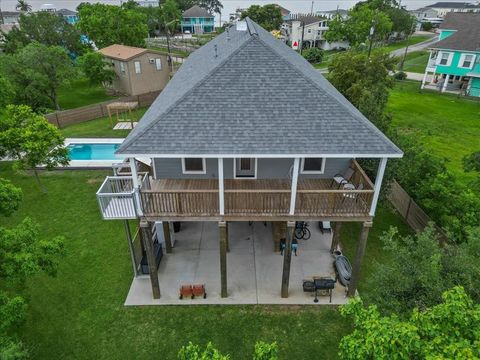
(154, 168)
(449, 59)
(321, 171)
(293, 195)
(204, 166)
(221, 198)
(462, 60)
(378, 185)
(266, 156)
(254, 177)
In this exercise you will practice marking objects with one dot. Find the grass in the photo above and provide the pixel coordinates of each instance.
(447, 124)
(99, 127)
(414, 39)
(80, 93)
(416, 61)
(80, 314)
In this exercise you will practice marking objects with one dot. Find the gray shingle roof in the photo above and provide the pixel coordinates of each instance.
(467, 36)
(196, 11)
(453, 5)
(247, 93)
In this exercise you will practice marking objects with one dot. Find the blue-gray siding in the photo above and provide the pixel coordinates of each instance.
(266, 169)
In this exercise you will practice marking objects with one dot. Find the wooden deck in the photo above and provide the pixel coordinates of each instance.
(262, 199)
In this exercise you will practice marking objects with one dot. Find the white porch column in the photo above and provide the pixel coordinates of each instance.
(221, 197)
(424, 79)
(378, 185)
(444, 87)
(136, 185)
(293, 196)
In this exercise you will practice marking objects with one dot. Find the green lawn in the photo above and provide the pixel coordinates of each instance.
(414, 39)
(416, 61)
(447, 124)
(80, 93)
(99, 127)
(80, 313)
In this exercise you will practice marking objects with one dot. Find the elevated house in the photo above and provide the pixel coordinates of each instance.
(454, 62)
(426, 15)
(138, 71)
(70, 16)
(197, 20)
(246, 131)
(444, 7)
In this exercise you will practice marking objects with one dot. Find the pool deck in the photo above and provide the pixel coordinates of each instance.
(93, 164)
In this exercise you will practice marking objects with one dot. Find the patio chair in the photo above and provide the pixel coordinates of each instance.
(185, 291)
(199, 290)
(352, 195)
(342, 178)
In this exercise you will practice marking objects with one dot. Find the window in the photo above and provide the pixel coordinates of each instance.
(313, 166)
(138, 69)
(309, 31)
(122, 68)
(193, 166)
(466, 61)
(158, 64)
(444, 59)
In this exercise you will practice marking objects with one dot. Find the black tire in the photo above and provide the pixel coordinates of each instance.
(205, 295)
(306, 234)
(181, 297)
(299, 233)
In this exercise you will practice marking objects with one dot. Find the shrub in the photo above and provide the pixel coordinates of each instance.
(400, 75)
(313, 55)
(472, 162)
(264, 351)
(427, 26)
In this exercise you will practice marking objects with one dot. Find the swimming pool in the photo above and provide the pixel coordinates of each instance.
(93, 151)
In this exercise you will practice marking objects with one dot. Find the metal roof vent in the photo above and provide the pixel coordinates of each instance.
(241, 26)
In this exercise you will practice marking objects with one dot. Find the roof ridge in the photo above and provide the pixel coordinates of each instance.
(351, 108)
(169, 109)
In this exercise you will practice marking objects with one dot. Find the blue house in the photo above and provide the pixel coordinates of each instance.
(70, 16)
(454, 63)
(197, 21)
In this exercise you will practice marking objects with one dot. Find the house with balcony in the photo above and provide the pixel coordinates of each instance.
(454, 62)
(197, 20)
(235, 158)
(70, 16)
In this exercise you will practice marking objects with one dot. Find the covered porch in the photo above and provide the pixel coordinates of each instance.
(253, 267)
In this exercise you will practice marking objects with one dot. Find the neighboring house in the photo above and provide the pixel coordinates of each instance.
(148, 3)
(308, 31)
(443, 8)
(330, 14)
(197, 20)
(138, 70)
(454, 63)
(426, 15)
(246, 130)
(11, 17)
(70, 16)
(48, 8)
(285, 12)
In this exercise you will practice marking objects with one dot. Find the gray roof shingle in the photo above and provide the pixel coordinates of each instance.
(196, 11)
(246, 93)
(467, 36)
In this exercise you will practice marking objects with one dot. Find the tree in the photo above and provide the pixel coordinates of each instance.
(427, 26)
(36, 72)
(170, 15)
(23, 6)
(31, 140)
(96, 69)
(6, 92)
(472, 162)
(365, 82)
(10, 197)
(195, 352)
(449, 330)
(402, 21)
(269, 16)
(313, 55)
(265, 351)
(46, 28)
(356, 27)
(212, 6)
(109, 24)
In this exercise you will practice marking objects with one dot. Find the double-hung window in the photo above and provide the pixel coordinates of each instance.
(122, 68)
(466, 61)
(138, 68)
(193, 166)
(158, 63)
(445, 59)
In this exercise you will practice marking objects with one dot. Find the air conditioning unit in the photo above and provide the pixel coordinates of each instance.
(151, 61)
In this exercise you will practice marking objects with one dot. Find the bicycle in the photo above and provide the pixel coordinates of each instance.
(302, 231)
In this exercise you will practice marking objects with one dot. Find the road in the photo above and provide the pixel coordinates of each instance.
(416, 47)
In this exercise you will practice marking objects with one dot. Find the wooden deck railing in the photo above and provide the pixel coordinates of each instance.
(257, 202)
(180, 202)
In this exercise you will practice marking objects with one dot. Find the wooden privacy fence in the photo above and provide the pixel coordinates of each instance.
(411, 212)
(96, 111)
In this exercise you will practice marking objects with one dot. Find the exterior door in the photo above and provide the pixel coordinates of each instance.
(245, 168)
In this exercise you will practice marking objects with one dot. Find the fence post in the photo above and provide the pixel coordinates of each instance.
(56, 118)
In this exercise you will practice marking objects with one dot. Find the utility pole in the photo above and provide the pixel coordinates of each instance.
(1, 13)
(406, 48)
(372, 32)
(311, 9)
(303, 33)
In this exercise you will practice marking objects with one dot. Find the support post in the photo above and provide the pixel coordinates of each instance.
(361, 245)
(221, 193)
(152, 267)
(130, 247)
(424, 80)
(444, 87)
(167, 236)
(293, 195)
(287, 258)
(136, 186)
(378, 185)
(336, 236)
(228, 235)
(222, 227)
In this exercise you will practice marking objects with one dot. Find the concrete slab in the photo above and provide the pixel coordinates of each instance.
(254, 269)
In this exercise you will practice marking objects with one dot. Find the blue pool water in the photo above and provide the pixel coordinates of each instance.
(93, 151)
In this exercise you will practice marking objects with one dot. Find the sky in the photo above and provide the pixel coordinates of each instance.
(229, 6)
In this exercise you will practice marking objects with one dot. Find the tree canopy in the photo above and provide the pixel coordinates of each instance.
(96, 69)
(47, 28)
(36, 72)
(109, 24)
(449, 330)
(10, 197)
(212, 6)
(268, 16)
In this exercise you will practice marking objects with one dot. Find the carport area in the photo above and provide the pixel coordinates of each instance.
(254, 269)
